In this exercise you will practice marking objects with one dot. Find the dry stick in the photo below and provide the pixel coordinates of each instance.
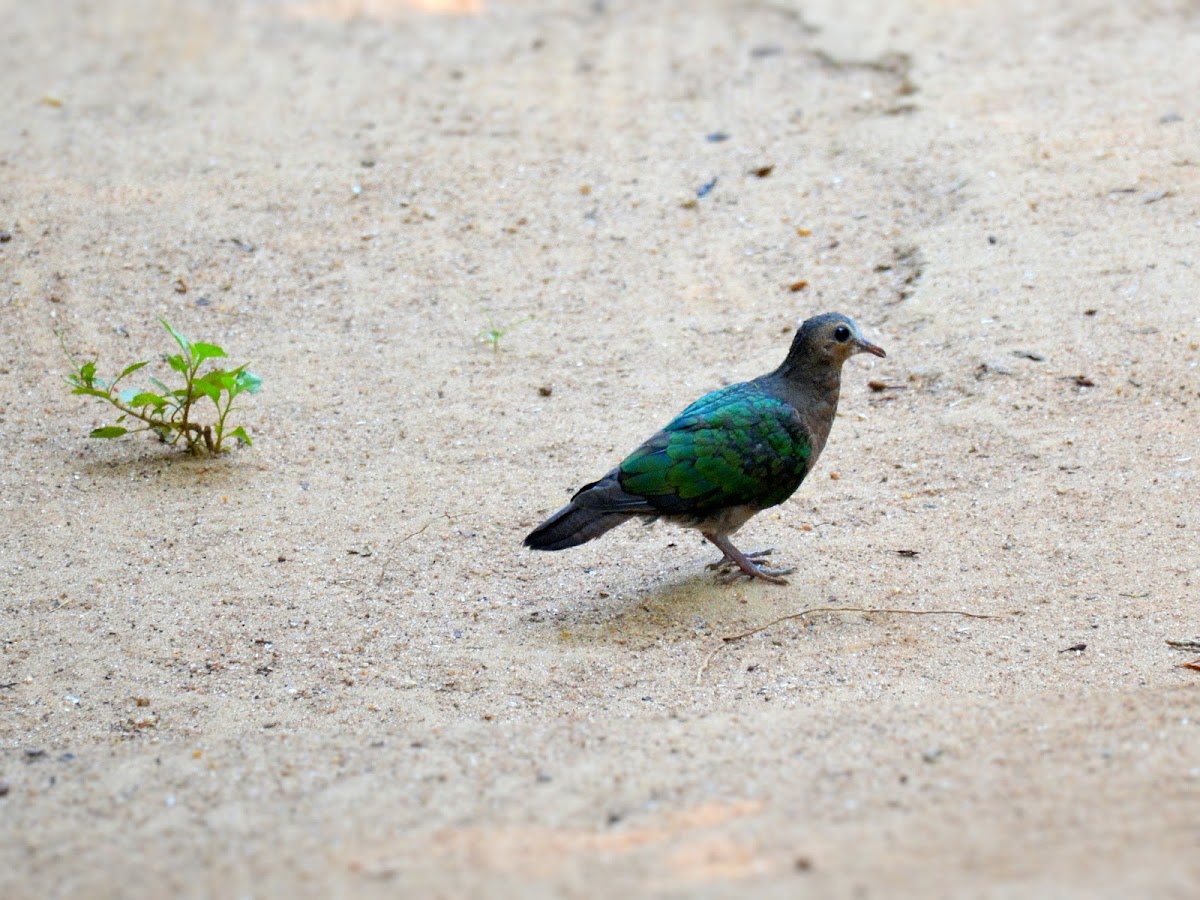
(1188, 644)
(730, 638)
(408, 537)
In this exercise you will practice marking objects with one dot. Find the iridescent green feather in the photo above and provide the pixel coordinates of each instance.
(736, 446)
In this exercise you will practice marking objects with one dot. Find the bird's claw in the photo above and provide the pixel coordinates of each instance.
(771, 575)
(725, 562)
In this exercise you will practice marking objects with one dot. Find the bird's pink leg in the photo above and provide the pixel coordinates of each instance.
(743, 562)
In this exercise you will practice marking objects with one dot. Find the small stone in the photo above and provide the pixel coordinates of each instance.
(993, 367)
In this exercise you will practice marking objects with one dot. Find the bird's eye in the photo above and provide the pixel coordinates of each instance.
(841, 334)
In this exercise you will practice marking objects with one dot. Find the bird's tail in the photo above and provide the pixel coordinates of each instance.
(571, 526)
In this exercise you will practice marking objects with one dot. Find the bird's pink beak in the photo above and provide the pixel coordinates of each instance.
(867, 347)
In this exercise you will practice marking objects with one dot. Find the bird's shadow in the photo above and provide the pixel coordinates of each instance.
(676, 610)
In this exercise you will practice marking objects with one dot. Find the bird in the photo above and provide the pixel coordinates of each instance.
(728, 456)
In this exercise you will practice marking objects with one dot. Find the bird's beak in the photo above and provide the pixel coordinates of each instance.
(865, 346)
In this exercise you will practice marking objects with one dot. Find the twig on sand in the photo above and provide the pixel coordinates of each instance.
(730, 638)
(409, 537)
(1191, 644)
(1186, 644)
(387, 562)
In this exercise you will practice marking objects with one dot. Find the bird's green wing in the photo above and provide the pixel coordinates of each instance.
(736, 446)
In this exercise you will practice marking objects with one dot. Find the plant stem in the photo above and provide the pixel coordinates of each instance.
(151, 422)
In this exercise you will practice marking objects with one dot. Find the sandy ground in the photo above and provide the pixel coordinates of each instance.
(325, 666)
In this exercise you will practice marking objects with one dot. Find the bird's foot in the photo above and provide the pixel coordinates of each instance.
(771, 575)
(745, 563)
(726, 561)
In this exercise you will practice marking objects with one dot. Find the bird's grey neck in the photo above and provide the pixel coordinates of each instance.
(823, 382)
(814, 392)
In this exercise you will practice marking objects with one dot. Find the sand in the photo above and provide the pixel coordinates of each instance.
(325, 666)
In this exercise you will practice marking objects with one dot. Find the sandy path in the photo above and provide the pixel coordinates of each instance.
(324, 666)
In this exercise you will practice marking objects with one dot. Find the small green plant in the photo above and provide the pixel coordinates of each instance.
(493, 333)
(172, 414)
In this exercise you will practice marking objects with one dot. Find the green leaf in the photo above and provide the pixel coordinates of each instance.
(248, 381)
(131, 368)
(178, 363)
(208, 389)
(240, 434)
(88, 371)
(111, 431)
(179, 338)
(201, 352)
(145, 398)
(158, 384)
(92, 392)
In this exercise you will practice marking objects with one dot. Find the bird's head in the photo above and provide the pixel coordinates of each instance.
(829, 339)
